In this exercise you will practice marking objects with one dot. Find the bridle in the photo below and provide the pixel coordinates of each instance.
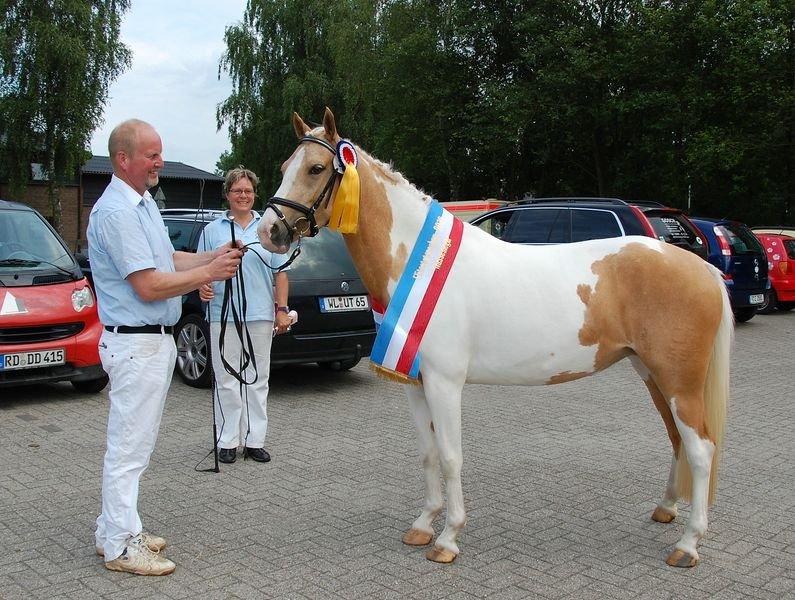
(308, 224)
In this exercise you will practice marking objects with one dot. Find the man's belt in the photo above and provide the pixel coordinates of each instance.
(140, 329)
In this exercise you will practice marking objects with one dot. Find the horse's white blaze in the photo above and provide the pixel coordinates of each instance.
(699, 455)
(269, 218)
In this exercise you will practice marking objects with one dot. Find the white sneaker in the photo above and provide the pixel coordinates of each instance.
(139, 559)
(154, 542)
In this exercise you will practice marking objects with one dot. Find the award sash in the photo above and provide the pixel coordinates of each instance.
(402, 325)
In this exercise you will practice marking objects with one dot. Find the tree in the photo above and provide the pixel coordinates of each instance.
(665, 100)
(57, 60)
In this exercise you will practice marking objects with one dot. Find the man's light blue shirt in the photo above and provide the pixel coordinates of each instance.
(257, 277)
(126, 234)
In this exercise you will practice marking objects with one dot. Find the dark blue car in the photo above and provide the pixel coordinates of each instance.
(736, 251)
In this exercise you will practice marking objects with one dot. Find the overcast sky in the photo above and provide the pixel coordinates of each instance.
(173, 82)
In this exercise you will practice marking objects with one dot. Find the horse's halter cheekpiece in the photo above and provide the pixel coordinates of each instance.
(306, 226)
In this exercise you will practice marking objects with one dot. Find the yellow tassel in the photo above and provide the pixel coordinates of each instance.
(345, 211)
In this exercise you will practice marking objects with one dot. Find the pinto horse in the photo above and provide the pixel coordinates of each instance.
(583, 307)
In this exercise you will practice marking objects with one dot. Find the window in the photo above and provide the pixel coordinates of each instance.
(789, 246)
(495, 225)
(183, 232)
(741, 239)
(590, 224)
(539, 226)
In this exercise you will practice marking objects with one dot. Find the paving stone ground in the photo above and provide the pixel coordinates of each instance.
(559, 484)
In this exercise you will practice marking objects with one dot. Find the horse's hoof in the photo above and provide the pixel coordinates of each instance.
(416, 537)
(440, 555)
(680, 558)
(662, 516)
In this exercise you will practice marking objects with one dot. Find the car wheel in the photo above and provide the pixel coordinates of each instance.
(339, 365)
(771, 301)
(91, 386)
(741, 315)
(786, 306)
(193, 362)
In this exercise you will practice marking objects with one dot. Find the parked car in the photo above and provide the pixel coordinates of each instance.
(564, 220)
(49, 328)
(780, 250)
(776, 229)
(335, 326)
(734, 249)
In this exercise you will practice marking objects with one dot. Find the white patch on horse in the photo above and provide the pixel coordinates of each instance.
(269, 217)
(699, 455)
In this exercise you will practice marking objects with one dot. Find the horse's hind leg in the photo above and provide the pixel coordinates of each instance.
(688, 414)
(421, 532)
(684, 417)
(666, 510)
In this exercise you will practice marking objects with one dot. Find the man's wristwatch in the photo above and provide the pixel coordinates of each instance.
(283, 309)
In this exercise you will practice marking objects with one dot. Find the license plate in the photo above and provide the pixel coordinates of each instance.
(344, 303)
(757, 298)
(31, 360)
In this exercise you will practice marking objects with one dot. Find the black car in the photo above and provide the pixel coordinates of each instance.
(564, 220)
(335, 326)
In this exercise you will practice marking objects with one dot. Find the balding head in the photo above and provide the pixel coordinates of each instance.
(124, 138)
(135, 153)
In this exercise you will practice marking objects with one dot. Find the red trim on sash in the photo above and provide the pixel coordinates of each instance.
(428, 303)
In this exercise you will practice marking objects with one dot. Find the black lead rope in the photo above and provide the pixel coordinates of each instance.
(247, 350)
(246, 346)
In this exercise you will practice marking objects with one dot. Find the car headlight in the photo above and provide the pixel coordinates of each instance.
(82, 298)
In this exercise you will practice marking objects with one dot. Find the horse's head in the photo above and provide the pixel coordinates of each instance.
(302, 204)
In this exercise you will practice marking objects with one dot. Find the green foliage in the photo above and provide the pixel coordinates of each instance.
(682, 101)
(57, 59)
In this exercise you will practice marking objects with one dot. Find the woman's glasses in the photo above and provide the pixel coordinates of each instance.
(241, 193)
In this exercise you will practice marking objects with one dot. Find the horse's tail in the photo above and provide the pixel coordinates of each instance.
(716, 398)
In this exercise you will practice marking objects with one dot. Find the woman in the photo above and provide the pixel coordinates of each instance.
(242, 410)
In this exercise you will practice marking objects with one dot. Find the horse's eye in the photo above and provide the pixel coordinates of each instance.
(316, 169)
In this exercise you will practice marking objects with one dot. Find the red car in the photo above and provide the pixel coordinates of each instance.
(49, 327)
(780, 250)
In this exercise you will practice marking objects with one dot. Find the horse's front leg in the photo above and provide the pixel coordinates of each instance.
(421, 532)
(444, 402)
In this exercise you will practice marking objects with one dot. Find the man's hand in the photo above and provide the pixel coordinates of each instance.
(225, 264)
(229, 247)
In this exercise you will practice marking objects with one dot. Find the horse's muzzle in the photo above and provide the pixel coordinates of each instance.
(272, 234)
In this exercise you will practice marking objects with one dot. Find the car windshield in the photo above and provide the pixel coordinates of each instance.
(789, 246)
(27, 243)
(323, 257)
(741, 239)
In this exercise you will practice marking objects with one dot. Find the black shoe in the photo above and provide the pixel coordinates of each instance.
(227, 455)
(258, 454)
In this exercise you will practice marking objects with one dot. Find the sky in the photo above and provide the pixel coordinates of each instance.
(173, 81)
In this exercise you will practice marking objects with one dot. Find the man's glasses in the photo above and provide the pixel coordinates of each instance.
(241, 192)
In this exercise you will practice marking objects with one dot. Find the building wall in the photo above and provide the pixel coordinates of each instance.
(179, 193)
(35, 195)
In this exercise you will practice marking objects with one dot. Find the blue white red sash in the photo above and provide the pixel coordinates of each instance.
(402, 325)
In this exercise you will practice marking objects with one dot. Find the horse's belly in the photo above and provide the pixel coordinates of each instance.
(531, 362)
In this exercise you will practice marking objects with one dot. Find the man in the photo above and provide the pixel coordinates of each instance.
(139, 279)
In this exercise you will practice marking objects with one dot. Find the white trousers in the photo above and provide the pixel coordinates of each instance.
(139, 367)
(242, 415)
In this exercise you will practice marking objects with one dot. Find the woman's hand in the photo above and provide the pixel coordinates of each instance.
(206, 292)
(282, 323)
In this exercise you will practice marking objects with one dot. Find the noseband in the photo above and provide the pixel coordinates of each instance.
(305, 225)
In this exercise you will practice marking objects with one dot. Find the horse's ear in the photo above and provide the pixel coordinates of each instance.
(329, 125)
(301, 128)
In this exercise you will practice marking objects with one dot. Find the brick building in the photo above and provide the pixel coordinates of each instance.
(181, 186)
